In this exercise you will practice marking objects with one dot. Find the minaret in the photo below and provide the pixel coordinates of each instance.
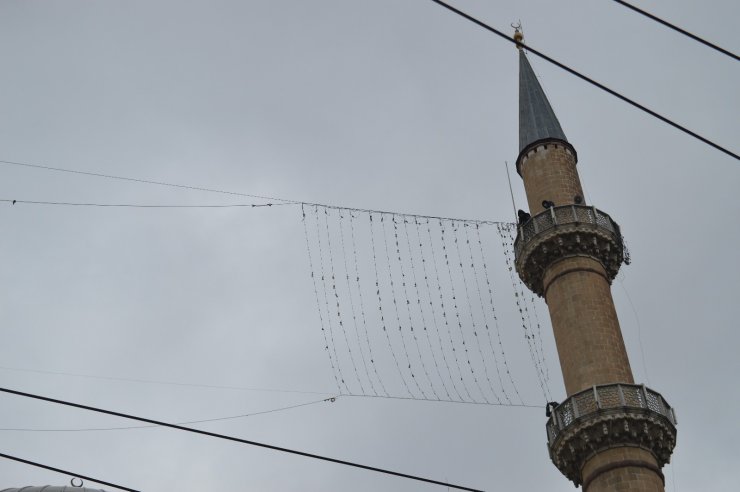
(610, 434)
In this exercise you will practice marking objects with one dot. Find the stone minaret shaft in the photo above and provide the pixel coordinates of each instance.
(609, 434)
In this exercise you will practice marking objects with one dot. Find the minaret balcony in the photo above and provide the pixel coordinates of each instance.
(606, 416)
(561, 232)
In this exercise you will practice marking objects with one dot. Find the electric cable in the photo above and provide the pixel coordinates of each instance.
(139, 205)
(214, 190)
(586, 78)
(233, 439)
(202, 421)
(678, 29)
(168, 383)
(68, 473)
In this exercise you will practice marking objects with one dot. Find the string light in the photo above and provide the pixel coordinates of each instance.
(362, 303)
(336, 299)
(457, 309)
(395, 307)
(380, 308)
(340, 219)
(483, 313)
(493, 311)
(444, 315)
(404, 280)
(318, 303)
(421, 308)
(519, 298)
(456, 241)
(326, 300)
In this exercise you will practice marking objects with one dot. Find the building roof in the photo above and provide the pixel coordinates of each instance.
(537, 120)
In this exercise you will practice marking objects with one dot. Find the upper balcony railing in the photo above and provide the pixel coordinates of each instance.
(562, 215)
(604, 398)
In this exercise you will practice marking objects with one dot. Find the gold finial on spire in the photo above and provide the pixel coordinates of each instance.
(518, 36)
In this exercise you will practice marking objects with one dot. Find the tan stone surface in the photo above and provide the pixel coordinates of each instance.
(550, 174)
(623, 479)
(587, 333)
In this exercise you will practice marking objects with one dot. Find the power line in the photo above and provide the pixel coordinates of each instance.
(214, 190)
(216, 419)
(586, 78)
(232, 438)
(139, 205)
(466, 402)
(168, 383)
(678, 29)
(65, 472)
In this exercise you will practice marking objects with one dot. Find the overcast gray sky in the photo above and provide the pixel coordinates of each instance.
(394, 105)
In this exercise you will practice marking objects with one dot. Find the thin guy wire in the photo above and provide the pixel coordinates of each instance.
(678, 29)
(352, 303)
(335, 395)
(217, 419)
(473, 325)
(524, 313)
(318, 303)
(493, 311)
(326, 298)
(457, 310)
(533, 336)
(408, 309)
(587, 79)
(138, 205)
(434, 314)
(532, 355)
(421, 309)
(639, 331)
(168, 383)
(380, 307)
(395, 307)
(336, 298)
(444, 314)
(66, 472)
(483, 312)
(465, 402)
(231, 438)
(213, 190)
(362, 303)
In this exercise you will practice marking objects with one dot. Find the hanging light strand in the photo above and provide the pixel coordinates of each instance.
(495, 316)
(457, 309)
(362, 303)
(444, 315)
(396, 310)
(473, 324)
(380, 308)
(337, 301)
(421, 307)
(412, 332)
(353, 311)
(519, 299)
(482, 305)
(326, 300)
(318, 303)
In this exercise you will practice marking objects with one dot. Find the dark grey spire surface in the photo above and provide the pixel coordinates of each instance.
(537, 120)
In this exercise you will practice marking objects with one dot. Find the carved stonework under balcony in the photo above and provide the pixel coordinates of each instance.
(560, 232)
(606, 416)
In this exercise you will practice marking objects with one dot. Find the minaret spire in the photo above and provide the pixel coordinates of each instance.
(609, 434)
(537, 120)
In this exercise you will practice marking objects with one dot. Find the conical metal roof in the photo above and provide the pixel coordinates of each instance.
(537, 120)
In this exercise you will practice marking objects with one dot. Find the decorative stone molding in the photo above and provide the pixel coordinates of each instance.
(560, 232)
(541, 145)
(607, 416)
